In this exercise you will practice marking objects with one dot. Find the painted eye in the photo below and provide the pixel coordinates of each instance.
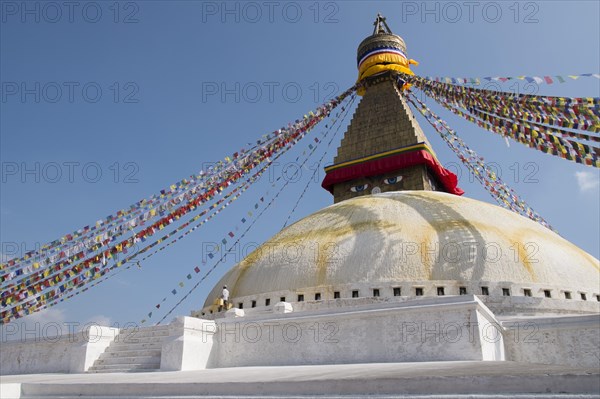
(392, 180)
(358, 189)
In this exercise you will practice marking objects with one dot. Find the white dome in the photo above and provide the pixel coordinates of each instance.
(409, 238)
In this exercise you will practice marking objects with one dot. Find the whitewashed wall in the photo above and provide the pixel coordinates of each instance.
(437, 329)
(568, 340)
(446, 328)
(36, 356)
(73, 353)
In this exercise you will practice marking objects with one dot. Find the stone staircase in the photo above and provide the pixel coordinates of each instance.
(133, 350)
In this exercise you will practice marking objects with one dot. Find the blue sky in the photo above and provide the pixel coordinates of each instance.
(129, 98)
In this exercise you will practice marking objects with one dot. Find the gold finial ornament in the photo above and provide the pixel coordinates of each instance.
(380, 25)
(382, 51)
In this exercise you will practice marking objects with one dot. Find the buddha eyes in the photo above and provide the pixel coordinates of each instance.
(363, 187)
(392, 180)
(359, 188)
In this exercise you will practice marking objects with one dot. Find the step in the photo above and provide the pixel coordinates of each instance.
(142, 333)
(160, 327)
(123, 371)
(128, 360)
(136, 340)
(115, 368)
(131, 353)
(133, 350)
(140, 369)
(118, 347)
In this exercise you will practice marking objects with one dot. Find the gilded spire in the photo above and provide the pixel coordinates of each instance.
(381, 26)
(384, 148)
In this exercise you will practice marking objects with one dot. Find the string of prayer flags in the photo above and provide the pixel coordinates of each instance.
(211, 254)
(553, 125)
(225, 171)
(312, 178)
(578, 106)
(83, 263)
(530, 79)
(499, 190)
(58, 297)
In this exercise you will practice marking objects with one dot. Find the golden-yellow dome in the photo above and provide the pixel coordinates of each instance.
(411, 239)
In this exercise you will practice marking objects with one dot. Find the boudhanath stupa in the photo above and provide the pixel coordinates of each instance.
(403, 287)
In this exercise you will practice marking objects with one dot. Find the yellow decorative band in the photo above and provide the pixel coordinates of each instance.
(384, 58)
(416, 147)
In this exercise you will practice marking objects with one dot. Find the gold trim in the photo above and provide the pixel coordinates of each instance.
(420, 146)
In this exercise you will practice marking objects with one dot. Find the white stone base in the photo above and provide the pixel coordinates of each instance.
(72, 353)
(390, 380)
(446, 328)
(188, 346)
(568, 340)
(433, 329)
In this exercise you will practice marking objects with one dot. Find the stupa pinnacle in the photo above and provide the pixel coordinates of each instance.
(384, 148)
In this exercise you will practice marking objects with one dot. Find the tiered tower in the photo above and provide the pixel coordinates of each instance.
(384, 148)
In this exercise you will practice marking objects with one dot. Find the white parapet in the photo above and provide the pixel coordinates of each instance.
(433, 329)
(234, 312)
(283, 307)
(189, 344)
(95, 341)
(568, 340)
(66, 353)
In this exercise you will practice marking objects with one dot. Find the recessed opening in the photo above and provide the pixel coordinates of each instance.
(355, 294)
(253, 304)
(440, 291)
(336, 295)
(397, 291)
(547, 294)
(376, 292)
(527, 292)
(598, 298)
(267, 301)
(419, 291)
(462, 290)
(505, 292)
(583, 297)
(567, 295)
(318, 296)
(300, 297)
(485, 291)
(240, 305)
(211, 312)
(282, 299)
